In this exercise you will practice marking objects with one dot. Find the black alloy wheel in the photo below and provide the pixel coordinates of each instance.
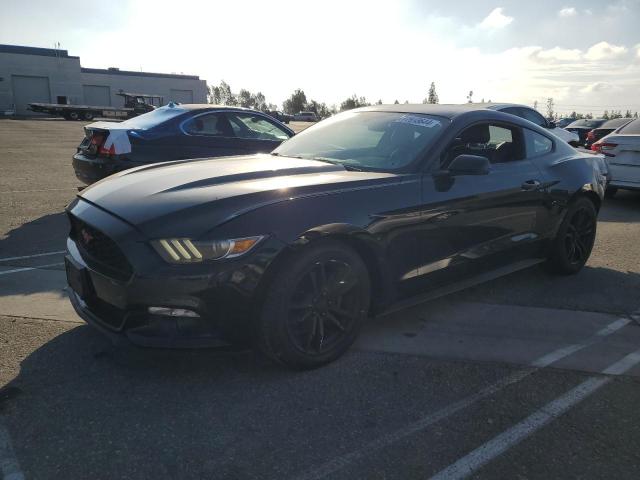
(580, 236)
(325, 306)
(576, 236)
(315, 306)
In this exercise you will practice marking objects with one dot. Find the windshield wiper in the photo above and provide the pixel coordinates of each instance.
(335, 162)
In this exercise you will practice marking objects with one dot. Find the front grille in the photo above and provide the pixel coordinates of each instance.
(99, 251)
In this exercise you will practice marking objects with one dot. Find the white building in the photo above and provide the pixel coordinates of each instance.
(46, 75)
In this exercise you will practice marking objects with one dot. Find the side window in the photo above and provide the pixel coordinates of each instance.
(536, 144)
(498, 143)
(246, 125)
(212, 124)
(533, 116)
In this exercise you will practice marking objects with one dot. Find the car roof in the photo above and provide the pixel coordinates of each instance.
(443, 110)
(616, 122)
(210, 106)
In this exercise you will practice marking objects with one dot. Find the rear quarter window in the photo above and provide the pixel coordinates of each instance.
(536, 144)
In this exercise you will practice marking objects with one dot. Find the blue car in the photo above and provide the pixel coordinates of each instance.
(175, 132)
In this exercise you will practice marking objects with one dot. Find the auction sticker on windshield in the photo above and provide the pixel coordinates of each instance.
(418, 120)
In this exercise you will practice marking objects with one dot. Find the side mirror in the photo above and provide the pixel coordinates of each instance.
(551, 124)
(469, 165)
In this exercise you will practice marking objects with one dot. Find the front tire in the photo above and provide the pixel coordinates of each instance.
(573, 243)
(315, 306)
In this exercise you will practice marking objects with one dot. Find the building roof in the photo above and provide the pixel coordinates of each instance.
(45, 52)
(131, 73)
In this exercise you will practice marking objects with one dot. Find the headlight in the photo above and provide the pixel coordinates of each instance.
(185, 250)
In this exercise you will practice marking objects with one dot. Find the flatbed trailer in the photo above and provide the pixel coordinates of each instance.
(134, 104)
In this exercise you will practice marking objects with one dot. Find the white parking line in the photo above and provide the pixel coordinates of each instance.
(9, 466)
(8, 259)
(26, 269)
(343, 461)
(514, 435)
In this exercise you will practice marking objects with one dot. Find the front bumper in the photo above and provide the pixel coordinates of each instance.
(91, 169)
(224, 295)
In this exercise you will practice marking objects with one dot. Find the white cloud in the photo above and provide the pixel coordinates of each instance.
(568, 12)
(496, 20)
(605, 50)
(558, 54)
(597, 87)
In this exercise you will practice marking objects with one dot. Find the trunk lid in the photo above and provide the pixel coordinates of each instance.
(105, 139)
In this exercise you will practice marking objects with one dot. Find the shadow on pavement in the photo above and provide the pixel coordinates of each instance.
(81, 408)
(45, 234)
(596, 289)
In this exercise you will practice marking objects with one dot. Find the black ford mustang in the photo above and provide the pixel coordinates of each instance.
(367, 211)
(175, 132)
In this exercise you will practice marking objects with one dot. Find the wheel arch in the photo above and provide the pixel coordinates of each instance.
(589, 194)
(360, 241)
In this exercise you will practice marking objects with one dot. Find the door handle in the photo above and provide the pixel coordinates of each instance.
(531, 185)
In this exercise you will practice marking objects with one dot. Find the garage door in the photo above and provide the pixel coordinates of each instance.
(99, 95)
(182, 96)
(28, 90)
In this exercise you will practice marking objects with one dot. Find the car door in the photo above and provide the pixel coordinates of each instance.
(475, 223)
(256, 133)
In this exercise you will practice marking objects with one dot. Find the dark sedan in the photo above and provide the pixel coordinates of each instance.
(175, 132)
(605, 129)
(371, 210)
(583, 126)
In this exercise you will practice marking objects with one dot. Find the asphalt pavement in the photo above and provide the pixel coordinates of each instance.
(528, 376)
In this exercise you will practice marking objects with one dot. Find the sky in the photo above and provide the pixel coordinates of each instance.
(585, 54)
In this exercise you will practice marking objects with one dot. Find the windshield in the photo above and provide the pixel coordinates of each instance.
(384, 141)
(151, 119)
(632, 128)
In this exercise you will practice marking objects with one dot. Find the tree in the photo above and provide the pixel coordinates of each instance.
(295, 103)
(396, 102)
(245, 99)
(432, 96)
(550, 106)
(470, 97)
(260, 102)
(226, 97)
(379, 102)
(535, 105)
(213, 94)
(635, 115)
(627, 114)
(353, 102)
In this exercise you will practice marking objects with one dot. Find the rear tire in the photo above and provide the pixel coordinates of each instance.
(315, 306)
(573, 243)
(88, 116)
(610, 192)
(73, 116)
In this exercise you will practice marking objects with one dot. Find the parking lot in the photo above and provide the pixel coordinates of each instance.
(528, 376)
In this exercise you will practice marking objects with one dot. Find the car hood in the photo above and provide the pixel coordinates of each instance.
(193, 196)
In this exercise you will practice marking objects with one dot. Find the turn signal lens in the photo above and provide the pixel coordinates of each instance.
(185, 250)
